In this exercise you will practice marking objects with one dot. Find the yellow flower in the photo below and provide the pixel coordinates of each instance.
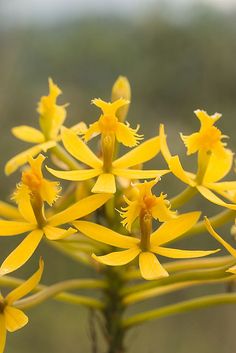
(211, 168)
(208, 138)
(143, 201)
(11, 318)
(226, 245)
(108, 124)
(30, 196)
(146, 247)
(51, 118)
(106, 169)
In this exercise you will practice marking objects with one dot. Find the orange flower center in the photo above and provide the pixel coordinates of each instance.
(108, 124)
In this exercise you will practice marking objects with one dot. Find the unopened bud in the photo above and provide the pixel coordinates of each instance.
(121, 89)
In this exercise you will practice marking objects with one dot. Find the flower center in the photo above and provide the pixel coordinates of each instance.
(32, 180)
(209, 138)
(108, 123)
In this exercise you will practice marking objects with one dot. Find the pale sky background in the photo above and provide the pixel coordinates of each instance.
(40, 11)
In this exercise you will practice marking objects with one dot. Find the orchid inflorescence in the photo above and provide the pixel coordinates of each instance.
(110, 218)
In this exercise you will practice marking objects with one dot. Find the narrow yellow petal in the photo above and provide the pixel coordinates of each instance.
(174, 228)
(226, 245)
(3, 333)
(222, 186)
(22, 158)
(105, 184)
(150, 267)
(79, 209)
(143, 153)
(9, 211)
(78, 149)
(14, 318)
(139, 174)
(231, 270)
(163, 144)
(118, 258)
(27, 286)
(218, 167)
(54, 233)
(25, 208)
(92, 131)
(105, 235)
(181, 254)
(177, 169)
(14, 228)
(28, 134)
(75, 175)
(22, 253)
(210, 196)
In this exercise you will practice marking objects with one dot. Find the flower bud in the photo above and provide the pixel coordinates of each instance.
(121, 89)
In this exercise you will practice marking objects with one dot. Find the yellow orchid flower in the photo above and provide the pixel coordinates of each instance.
(30, 196)
(144, 201)
(11, 318)
(208, 138)
(147, 247)
(109, 126)
(51, 118)
(213, 165)
(106, 169)
(226, 245)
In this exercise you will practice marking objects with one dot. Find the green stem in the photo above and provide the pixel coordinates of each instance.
(183, 197)
(182, 307)
(45, 292)
(65, 157)
(161, 290)
(180, 277)
(193, 264)
(113, 311)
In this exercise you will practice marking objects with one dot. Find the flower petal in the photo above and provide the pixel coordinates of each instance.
(14, 318)
(126, 135)
(177, 169)
(118, 258)
(150, 267)
(54, 233)
(14, 228)
(226, 245)
(79, 209)
(218, 167)
(75, 175)
(9, 211)
(181, 254)
(20, 159)
(105, 184)
(28, 134)
(25, 206)
(3, 331)
(174, 228)
(144, 152)
(22, 253)
(222, 186)
(105, 235)
(27, 286)
(78, 149)
(209, 195)
(139, 174)
(163, 144)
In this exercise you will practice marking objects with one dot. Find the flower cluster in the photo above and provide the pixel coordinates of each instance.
(123, 218)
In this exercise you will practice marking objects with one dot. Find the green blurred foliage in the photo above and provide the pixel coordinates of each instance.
(174, 68)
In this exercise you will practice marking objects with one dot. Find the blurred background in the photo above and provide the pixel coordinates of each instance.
(179, 55)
